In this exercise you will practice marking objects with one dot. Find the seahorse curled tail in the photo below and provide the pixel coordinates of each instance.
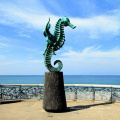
(47, 60)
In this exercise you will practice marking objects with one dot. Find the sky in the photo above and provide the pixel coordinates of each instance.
(92, 48)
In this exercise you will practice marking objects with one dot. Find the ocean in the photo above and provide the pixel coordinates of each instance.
(68, 79)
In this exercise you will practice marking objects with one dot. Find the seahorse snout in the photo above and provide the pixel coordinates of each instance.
(71, 25)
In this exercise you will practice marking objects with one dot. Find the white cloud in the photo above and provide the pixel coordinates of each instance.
(95, 26)
(8, 63)
(99, 25)
(3, 45)
(24, 35)
(3, 42)
(91, 61)
(11, 14)
(93, 52)
(35, 61)
(22, 67)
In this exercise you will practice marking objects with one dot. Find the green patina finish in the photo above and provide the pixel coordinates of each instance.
(55, 42)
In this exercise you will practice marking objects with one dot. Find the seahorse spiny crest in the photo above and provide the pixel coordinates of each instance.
(55, 42)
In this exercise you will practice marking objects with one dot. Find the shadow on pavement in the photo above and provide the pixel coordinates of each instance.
(81, 107)
(9, 101)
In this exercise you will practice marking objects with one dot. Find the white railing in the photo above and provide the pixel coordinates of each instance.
(72, 91)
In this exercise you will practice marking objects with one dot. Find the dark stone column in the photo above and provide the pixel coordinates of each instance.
(54, 95)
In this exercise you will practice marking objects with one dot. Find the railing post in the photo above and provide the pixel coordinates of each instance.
(93, 91)
(20, 92)
(38, 95)
(111, 95)
(76, 93)
(1, 92)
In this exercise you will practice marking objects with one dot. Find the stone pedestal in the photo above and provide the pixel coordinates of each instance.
(54, 95)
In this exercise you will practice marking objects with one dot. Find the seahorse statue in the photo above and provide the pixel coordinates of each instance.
(55, 42)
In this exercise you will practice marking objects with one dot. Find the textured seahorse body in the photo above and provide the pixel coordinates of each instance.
(59, 35)
(55, 42)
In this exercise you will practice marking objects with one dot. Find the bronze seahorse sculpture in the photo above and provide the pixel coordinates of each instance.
(55, 42)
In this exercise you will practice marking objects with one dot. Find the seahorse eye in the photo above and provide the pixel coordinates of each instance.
(67, 19)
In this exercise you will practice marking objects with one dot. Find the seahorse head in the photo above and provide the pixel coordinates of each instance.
(66, 22)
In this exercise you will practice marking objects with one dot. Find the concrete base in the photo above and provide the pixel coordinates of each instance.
(54, 94)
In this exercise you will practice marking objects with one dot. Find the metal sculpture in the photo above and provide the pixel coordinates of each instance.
(55, 42)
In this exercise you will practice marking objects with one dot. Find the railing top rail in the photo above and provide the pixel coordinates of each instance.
(93, 85)
(74, 85)
(21, 84)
